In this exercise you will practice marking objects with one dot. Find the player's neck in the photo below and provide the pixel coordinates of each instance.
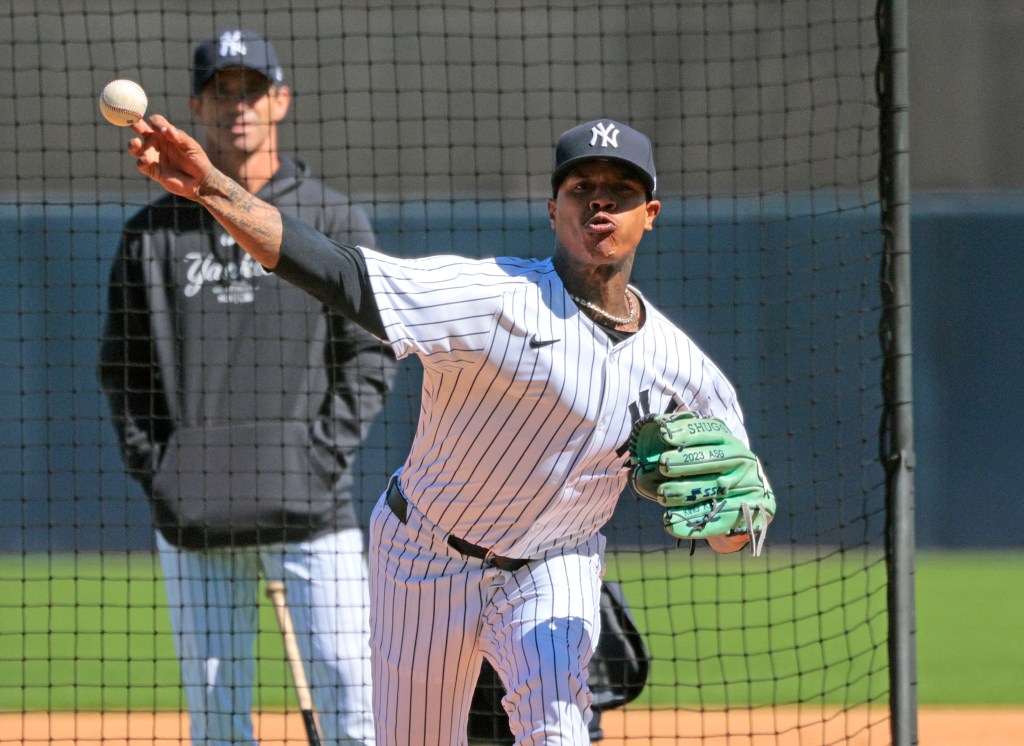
(604, 285)
(604, 297)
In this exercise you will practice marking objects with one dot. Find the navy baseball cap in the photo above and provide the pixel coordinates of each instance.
(604, 139)
(234, 48)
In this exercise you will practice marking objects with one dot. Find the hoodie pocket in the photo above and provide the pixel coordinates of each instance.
(249, 483)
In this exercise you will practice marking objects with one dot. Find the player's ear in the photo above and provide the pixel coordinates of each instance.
(280, 100)
(653, 209)
(551, 211)
(195, 105)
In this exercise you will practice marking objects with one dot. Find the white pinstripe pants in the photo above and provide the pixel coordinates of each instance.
(435, 614)
(212, 597)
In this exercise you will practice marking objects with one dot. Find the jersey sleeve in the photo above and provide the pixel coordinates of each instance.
(442, 308)
(718, 398)
(333, 273)
(697, 383)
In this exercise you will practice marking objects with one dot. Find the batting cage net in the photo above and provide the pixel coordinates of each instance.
(437, 121)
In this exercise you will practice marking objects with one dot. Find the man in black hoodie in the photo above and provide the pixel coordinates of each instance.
(240, 402)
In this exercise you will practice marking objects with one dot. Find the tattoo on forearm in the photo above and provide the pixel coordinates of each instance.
(226, 199)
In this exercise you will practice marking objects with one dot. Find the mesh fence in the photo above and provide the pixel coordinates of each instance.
(438, 121)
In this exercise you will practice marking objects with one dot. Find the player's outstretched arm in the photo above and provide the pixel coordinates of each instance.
(179, 164)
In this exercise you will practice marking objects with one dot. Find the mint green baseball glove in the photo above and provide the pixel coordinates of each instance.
(710, 483)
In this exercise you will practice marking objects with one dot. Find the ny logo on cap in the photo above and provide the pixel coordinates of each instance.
(231, 44)
(608, 133)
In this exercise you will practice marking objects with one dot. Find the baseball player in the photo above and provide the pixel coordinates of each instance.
(486, 542)
(239, 402)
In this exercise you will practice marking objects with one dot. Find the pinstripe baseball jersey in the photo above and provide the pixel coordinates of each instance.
(527, 404)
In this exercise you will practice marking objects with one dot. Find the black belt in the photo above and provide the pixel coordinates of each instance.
(396, 501)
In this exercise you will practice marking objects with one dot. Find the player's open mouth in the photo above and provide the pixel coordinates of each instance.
(600, 224)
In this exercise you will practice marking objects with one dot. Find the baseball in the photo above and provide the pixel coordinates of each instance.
(123, 102)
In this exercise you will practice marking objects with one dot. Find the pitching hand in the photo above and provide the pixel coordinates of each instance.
(169, 156)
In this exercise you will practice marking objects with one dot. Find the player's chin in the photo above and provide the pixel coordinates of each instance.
(607, 248)
(242, 145)
(588, 249)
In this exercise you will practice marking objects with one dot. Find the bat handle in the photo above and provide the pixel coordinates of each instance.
(276, 594)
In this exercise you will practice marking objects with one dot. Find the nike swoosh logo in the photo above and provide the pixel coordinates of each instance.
(535, 343)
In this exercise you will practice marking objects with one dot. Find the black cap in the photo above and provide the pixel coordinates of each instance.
(604, 139)
(234, 48)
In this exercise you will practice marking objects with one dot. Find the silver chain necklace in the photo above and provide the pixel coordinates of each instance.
(617, 320)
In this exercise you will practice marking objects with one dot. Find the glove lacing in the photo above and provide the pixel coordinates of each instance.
(756, 537)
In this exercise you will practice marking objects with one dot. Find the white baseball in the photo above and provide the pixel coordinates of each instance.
(123, 102)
